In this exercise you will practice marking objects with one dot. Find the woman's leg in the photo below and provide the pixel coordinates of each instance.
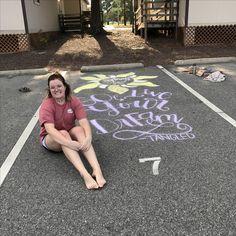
(78, 134)
(73, 157)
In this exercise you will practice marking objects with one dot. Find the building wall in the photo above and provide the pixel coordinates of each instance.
(61, 7)
(11, 17)
(84, 6)
(181, 20)
(209, 22)
(42, 17)
(71, 7)
(208, 12)
(211, 12)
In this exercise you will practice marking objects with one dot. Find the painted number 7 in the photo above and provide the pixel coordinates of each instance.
(156, 162)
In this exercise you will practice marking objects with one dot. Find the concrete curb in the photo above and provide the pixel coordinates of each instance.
(39, 71)
(205, 61)
(111, 67)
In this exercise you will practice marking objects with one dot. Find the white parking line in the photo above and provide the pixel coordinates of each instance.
(7, 164)
(200, 97)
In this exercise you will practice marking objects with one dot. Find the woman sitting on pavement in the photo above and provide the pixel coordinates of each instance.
(57, 116)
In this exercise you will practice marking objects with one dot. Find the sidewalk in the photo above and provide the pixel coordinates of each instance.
(42, 71)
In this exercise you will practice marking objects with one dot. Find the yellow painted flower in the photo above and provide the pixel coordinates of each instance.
(116, 83)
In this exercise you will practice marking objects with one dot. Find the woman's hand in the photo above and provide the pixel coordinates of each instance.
(74, 145)
(86, 144)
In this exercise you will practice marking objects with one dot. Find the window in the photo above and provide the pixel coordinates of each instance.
(37, 2)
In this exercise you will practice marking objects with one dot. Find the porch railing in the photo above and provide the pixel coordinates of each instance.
(76, 22)
(159, 14)
(70, 22)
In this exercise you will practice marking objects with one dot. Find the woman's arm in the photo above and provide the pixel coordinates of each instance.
(84, 123)
(60, 138)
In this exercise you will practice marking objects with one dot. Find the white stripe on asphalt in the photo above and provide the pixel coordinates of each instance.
(200, 97)
(141, 160)
(7, 164)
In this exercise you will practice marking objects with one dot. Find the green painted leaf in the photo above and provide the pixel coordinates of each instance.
(117, 89)
(86, 86)
(145, 77)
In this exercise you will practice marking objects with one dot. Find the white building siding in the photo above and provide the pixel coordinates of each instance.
(211, 12)
(42, 17)
(84, 6)
(182, 6)
(11, 17)
(72, 6)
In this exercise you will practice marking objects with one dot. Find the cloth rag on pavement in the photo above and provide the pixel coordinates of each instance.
(216, 76)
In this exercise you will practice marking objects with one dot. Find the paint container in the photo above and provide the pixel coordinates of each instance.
(194, 69)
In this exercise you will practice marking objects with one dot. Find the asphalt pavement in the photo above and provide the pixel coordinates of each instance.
(166, 143)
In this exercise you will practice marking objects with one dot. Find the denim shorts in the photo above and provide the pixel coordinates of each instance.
(43, 142)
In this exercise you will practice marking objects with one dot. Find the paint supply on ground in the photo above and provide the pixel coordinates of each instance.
(208, 74)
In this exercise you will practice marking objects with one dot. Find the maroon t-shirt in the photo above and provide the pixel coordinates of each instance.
(62, 116)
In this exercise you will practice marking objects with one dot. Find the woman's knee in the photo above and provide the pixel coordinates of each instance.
(77, 132)
(65, 133)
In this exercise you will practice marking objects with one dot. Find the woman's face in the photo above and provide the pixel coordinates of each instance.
(57, 89)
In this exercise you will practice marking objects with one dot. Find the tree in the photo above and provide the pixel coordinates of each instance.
(96, 22)
(118, 10)
(128, 11)
(124, 5)
(106, 7)
(115, 12)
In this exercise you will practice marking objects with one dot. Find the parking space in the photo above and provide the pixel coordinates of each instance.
(17, 108)
(222, 94)
(168, 158)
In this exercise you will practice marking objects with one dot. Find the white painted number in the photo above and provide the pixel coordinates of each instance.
(155, 165)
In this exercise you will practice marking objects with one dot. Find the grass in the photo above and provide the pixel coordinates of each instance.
(120, 25)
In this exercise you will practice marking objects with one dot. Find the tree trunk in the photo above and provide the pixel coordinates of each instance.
(96, 23)
(124, 12)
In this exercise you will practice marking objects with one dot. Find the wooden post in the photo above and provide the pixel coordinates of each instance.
(134, 25)
(132, 17)
(81, 19)
(145, 20)
(177, 20)
(124, 11)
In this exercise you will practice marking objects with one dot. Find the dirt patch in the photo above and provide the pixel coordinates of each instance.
(70, 52)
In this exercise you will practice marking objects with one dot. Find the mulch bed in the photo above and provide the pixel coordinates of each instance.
(71, 51)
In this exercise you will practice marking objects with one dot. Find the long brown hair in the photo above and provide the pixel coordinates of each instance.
(62, 79)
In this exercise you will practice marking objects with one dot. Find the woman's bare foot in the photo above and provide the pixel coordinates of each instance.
(99, 178)
(90, 182)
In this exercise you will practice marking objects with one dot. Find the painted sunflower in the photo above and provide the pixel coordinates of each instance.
(116, 83)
